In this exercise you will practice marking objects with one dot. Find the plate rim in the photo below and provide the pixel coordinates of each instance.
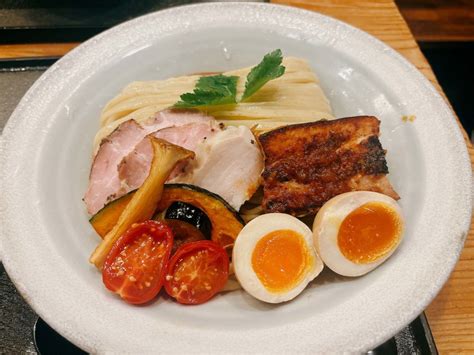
(287, 11)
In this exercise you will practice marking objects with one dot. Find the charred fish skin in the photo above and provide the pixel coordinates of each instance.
(307, 164)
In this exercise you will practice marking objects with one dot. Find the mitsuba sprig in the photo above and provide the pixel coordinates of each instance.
(222, 90)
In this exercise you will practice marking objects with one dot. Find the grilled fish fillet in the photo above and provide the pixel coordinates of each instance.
(307, 164)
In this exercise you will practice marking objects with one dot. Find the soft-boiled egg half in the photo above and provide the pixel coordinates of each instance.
(274, 257)
(357, 231)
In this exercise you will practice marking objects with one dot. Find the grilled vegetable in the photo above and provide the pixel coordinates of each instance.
(187, 214)
(197, 272)
(104, 220)
(225, 221)
(136, 265)
(191, 214)
(143, 203)
(183, 233)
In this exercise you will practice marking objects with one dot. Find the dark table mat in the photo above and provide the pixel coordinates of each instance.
(16, 317)
(86, 13)
(13, 86)
(16, 320)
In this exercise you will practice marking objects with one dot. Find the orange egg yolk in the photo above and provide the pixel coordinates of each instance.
(369, 232)
(281, 259)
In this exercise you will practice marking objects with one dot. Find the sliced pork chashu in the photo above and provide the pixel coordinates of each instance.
(307, 164)
(229, 164)
(123, 159)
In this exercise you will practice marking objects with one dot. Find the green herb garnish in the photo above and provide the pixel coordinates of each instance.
(269, 68)
(222, 90)
(211, 90)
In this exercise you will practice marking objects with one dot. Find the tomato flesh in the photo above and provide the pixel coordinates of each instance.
(136, 264)
(196, 272)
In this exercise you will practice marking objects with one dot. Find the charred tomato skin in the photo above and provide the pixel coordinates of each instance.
(136, 265)
(196, 272)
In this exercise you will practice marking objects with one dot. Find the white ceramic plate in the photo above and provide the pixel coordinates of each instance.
(46, 239)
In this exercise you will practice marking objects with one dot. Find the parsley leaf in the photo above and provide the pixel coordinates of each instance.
(269, 68)
(211, 90)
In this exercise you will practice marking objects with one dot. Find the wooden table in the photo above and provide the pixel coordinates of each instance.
(451, 314)
(439, 20)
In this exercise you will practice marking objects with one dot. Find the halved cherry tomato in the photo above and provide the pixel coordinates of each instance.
(136, 264)
(196, 272)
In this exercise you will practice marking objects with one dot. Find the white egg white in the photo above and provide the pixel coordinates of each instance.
(326, 228)
(245, 245)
